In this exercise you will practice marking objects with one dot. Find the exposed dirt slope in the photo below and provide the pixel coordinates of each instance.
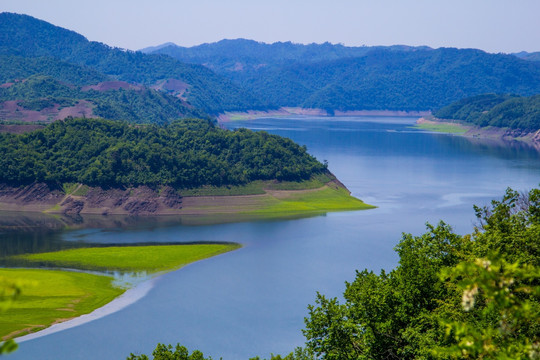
(133, 201)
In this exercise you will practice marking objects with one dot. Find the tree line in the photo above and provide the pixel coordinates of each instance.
(509, 111)
(183, 154)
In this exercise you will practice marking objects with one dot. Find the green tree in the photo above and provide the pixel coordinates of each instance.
(167, 352)
(9, 291)
(507, 325)
(414, 312)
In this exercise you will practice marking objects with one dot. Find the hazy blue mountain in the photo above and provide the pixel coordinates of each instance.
(240, 58)
(336, 77)
(534, 56)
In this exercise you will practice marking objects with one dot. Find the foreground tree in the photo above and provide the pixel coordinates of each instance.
(417, 310)
(451, 297)
(9, 291)
(167, 352)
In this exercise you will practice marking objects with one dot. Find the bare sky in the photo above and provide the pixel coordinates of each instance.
(491, 25)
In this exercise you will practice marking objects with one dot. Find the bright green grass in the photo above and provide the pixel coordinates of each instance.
(319, 201)
(153, 258)
(445, 128)
(316, 181)
(54, 295)
(252, 188)
(257, 187)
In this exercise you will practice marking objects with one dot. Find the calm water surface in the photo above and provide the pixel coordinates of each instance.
(253, 301)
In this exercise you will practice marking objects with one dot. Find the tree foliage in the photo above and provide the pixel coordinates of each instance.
(9, 291)
(139, 106)
(25, 36)
(336, 77)
(184, 154)
(451, 296)
(515, 112)
(167, 352)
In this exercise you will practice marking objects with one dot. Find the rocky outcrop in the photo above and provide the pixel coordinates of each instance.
(140, 200)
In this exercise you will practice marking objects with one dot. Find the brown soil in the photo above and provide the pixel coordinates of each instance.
(177, 87)
(381, 113)
(11, 111)
(112, 85)
(83, 108)
(132, 201)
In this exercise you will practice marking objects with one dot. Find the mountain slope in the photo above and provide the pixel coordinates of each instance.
(26, 36)
(336, 77)
(509, 111)
(42, 98)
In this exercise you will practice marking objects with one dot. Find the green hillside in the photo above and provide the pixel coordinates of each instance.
(511, 111)
(336, 77)
(43, 93)
(13, 67)
(183, 154)
(26, 36)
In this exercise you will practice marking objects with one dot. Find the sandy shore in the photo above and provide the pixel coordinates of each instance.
(294, 111)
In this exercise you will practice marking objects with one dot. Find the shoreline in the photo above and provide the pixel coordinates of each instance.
(503, 135)
(134, 291)
(130, 296)
(296, 111)
(142, 201)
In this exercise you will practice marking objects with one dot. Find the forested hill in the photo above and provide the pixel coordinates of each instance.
(27, 37)
(511, 111)
(43, 98)
(335, 77)
(241, 58)
(255, 76)
(183, 154)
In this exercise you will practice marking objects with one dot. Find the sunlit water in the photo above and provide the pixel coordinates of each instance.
(253, 301)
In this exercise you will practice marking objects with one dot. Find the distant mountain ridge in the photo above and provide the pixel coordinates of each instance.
(25, 36)
(240, 75)
(534, 56)
(336, 77)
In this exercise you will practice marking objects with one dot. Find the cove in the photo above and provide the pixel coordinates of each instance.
(252, 301)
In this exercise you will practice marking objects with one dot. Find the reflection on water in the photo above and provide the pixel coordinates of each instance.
(23, 233)
(503, 149)
(252, 301)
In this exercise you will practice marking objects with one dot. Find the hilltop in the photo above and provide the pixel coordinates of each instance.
(28, 38)
(336, 77)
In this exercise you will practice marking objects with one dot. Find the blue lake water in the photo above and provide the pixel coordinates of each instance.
(253, 301)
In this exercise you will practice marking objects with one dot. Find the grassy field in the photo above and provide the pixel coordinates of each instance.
(443, 127)
(258, 187)
(320, 200)
(61, 295)
(152, 258)
(53, 296)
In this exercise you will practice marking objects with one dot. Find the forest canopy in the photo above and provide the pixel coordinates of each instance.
(512, 111)
(184, 154)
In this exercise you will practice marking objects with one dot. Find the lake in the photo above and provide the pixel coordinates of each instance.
(253, 301)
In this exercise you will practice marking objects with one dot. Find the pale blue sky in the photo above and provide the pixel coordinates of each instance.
(491, 25)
